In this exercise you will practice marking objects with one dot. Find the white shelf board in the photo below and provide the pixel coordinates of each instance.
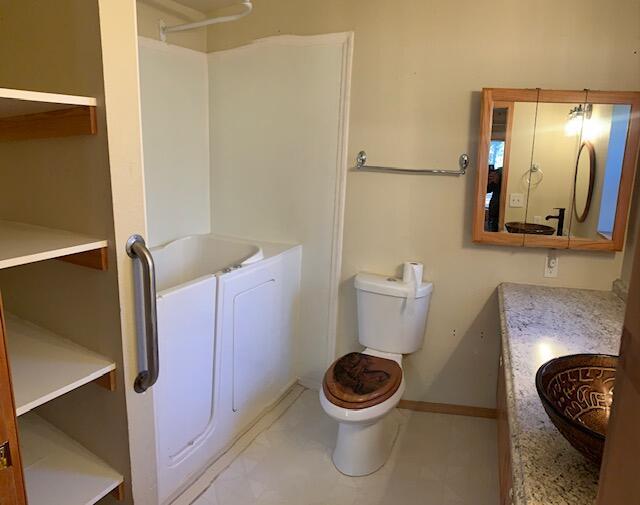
(58, 470)
(17, 102)
(45, 366)
(24, 243)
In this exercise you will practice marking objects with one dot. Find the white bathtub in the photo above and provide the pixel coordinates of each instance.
(227, 312)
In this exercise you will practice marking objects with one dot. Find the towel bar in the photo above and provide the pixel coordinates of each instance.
(361, 164)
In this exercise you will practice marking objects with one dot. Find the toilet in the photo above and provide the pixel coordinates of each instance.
(360, 390)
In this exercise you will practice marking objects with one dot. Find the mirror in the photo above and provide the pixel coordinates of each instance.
(599, 170)
(584, 180)
(550, 178)
(509, 155)
(555, 168)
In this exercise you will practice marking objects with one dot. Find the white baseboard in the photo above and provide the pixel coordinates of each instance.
(310, 383)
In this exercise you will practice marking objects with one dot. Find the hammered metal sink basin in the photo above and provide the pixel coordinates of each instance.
(529, 228)
(577, 392)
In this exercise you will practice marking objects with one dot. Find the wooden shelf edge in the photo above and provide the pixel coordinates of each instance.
(107, 381)
(118, 493)
(77, 120)
(45, 97)
(96, 258)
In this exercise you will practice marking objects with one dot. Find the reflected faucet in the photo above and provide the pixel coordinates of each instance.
(560, 218)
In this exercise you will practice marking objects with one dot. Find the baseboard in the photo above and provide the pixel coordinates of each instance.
(310, 383)
(446, 408)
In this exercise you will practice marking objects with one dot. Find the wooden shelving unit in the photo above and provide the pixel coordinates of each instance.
(45, 366)
(28, 115)
(21, 244)
(58, 470)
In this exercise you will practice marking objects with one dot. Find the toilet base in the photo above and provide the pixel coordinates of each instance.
(362, 448)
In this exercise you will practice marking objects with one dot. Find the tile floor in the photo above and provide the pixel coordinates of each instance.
(437, 460)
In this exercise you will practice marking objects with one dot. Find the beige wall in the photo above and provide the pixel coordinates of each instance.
(633, 232)
(418, 69)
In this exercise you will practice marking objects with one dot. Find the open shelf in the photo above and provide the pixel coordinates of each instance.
(45, 366)
(58, 470)
(32, 114)
(21, 244)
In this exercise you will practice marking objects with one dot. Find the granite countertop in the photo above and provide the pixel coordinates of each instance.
(538, 324)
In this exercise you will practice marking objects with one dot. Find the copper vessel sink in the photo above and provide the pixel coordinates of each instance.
(529, 228)
(577, 392)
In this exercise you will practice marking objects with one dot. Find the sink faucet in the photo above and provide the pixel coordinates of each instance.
(559, 217)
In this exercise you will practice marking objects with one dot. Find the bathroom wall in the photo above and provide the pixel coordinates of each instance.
(632, 233)
(419, 66)
(175, 132)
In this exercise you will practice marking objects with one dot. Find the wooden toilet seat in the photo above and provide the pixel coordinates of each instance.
(358, 381)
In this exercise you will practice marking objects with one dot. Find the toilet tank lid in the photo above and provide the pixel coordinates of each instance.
(390, 286)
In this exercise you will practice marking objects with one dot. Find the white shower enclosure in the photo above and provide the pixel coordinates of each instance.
(247, 143)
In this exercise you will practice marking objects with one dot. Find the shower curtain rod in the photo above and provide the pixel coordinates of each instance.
(164, 29)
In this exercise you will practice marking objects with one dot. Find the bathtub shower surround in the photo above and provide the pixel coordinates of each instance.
(251, 142)
(226, 326)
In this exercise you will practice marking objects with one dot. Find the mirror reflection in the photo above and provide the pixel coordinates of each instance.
(605, 130)
(509, 153)
(550, 178)
(555, 168)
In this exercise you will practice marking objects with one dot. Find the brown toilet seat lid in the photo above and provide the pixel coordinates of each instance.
(359, 380)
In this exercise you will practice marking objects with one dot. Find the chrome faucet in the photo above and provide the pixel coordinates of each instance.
(560, 218)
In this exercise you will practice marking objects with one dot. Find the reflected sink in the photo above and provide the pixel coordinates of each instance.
(577, 392)
(530, 228)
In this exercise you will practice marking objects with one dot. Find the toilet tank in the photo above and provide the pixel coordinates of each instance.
(392, 315)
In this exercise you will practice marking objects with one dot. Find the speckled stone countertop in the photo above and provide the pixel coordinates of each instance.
(538, 324)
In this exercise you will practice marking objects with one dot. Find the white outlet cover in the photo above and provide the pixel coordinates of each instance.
(551, 266)
(516, 200)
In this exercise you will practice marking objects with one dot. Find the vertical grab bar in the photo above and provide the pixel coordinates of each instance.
(136, 248)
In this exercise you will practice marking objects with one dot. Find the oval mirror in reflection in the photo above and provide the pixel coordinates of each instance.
(584, 179)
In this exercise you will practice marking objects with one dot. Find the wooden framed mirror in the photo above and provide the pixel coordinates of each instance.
(556, 168)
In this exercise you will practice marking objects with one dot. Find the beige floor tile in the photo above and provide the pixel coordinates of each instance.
(437, 460)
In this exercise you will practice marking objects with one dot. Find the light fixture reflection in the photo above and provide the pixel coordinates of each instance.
(579, 121)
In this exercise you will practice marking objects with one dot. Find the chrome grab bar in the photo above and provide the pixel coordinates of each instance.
(136, 248)
(361, 164)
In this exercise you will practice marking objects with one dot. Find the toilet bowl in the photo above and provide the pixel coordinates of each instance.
(360, 390)
(365, 435)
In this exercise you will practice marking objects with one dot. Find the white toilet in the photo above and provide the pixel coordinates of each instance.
(361, 389)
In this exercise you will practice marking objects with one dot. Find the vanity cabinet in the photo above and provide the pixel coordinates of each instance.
(504, 440)
(556, 168)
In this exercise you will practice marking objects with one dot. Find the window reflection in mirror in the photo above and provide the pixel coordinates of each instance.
(512, 132)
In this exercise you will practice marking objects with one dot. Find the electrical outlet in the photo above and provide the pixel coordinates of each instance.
(516, 200)
(551, 265)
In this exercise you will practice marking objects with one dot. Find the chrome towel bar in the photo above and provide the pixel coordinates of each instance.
(361, 164)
